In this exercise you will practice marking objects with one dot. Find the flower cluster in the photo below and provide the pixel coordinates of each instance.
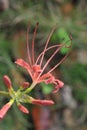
(36, 70)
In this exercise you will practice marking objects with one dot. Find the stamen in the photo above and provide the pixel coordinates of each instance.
(27, 44)
(49, 48)
(33, 41)
(56, 51)
(47, 44)
(49, 61)
(58, 63)
(62, 59)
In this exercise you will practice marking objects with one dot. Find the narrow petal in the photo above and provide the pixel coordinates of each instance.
(24, 64)
(36, 68)
(23, 109)
(59, 84)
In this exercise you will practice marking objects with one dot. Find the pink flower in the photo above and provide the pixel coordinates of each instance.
(35, 66)
(5, 109)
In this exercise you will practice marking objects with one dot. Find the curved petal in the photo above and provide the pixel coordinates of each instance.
(25, 65)
(59, 84)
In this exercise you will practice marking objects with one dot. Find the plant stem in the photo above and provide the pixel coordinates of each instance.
(30, 88)
(4, 93)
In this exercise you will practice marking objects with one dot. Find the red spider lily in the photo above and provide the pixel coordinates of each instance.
(35, 68)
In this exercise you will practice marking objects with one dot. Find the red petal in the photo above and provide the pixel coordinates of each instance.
(36, 68)
(24, 64)
(59, 85)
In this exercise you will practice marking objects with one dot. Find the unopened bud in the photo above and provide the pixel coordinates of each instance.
(5, 108)
(23, 109)
(42, 102)
(25, 85)
(7, 81)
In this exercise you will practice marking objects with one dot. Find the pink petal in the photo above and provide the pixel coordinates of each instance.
(36, 68)
(59, 85)
(24, 64)
(50, 80)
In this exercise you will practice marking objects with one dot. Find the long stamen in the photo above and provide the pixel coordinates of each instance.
(33, 42)
(49, 61)
(56, 51)
(58, 63)
(27, 44)
(49, 48)
(69, 46)
(47, 44)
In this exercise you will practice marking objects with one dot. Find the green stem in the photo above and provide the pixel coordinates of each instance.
(4, 93)
(30, 88)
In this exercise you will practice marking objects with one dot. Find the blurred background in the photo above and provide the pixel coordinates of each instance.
(70, 109)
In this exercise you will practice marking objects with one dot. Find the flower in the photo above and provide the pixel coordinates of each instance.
(37, 71)
(35, 67)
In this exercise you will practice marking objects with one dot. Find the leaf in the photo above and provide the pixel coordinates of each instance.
(47, 88)
(61, 36)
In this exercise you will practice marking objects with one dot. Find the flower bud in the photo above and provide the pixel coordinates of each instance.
(25, 85)
(5, 108)
(23, 109)
(42, 102)
(7, 81)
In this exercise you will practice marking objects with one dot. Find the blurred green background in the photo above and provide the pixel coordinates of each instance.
(70, 109)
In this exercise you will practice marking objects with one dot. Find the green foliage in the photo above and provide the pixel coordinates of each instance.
(76, 76)
(46, 88)
(62, 36)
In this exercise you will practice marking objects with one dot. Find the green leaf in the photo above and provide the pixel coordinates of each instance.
(61, 36)
(47, 88)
